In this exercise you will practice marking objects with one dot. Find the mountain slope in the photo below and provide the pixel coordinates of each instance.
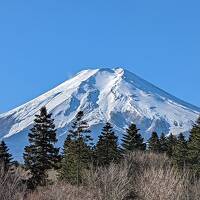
(114, 95)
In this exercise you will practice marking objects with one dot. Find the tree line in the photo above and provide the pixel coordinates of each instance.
(79, 151)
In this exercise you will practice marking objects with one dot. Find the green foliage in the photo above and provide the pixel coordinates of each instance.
(163, 143)
(77, 151)
(179, 155)
(171, 142)
(194, 148)
(68, 164)
(132, 140)
(107, 149)
(41, 155)
(154, 143)
(5, 156)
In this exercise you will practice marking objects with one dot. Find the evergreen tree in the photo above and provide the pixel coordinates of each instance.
(107, 149)
(154, 143)
(194, 148)
(77, 151)
(179, 155)
(171, 142)
(41, 155)
(163, 143)
(132, 140)
(68, 164)
(5, 156)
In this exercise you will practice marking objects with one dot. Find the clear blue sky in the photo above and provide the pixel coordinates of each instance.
(44, 42)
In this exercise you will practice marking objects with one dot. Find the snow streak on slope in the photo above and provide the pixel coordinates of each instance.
(114, 95)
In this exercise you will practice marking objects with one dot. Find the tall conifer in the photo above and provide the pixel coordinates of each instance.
(5, 156)
(171, 142)
(77, 151)
(41, 155)
(163, 143)
(107, 149)
(154, 143)
(132, 140)
(179, 155)
(194, 148)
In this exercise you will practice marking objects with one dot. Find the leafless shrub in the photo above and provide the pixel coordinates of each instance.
(154, 178)
(11, 184)
(160, 184)
(61, 191)
(144, 160)
(110, 183)
(140, 176)
(193, 190)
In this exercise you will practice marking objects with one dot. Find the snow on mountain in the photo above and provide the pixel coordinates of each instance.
(114, 95)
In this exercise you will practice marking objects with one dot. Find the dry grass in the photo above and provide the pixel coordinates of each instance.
(140, 176)
(11, 184)
(154, 178)
(61, 191)
(109, 183)
(161, 184)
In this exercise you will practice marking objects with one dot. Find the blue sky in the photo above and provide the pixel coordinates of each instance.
(43, 43)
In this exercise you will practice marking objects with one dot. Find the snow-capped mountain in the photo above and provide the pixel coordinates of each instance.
(114, 95)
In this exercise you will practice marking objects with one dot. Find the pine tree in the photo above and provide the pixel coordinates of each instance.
(171, 142)
(107, 149)
(41, 155)
(68, 164)
(154, 143)
(179, 155)
(163, 143)
(5, 157)
(77, 151)
(194, 148)
(132, 140)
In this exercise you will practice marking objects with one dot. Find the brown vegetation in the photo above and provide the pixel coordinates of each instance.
(140, 176)
(12, 185)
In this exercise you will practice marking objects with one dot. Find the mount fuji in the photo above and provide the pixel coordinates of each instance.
(105, 95)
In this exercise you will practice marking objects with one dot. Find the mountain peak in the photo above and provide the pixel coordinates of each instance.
(115, 95)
